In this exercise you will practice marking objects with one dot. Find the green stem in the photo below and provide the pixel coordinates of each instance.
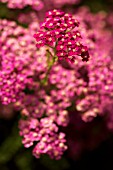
(51, 59)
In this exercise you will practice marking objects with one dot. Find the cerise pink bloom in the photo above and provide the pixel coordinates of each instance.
(59, 31)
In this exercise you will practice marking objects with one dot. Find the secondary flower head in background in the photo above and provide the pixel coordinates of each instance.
(38, 5)
(35, 4)
(59, 32)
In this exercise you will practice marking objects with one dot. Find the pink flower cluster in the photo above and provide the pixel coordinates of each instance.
(38, 4)
(55, 115)
(58, 31)
(35, 4)
(45, 133)
(22, 68)
(17, 52)
(95, 105)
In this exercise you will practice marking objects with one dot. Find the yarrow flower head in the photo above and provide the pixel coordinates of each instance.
(35, 4)
(59, 31)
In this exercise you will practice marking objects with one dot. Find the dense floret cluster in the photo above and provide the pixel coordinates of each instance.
(38, 4)
(35, 4)
(60, 33)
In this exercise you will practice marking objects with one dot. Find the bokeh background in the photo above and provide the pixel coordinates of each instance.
(13, 155)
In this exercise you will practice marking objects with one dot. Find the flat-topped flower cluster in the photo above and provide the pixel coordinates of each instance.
(58, 32)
